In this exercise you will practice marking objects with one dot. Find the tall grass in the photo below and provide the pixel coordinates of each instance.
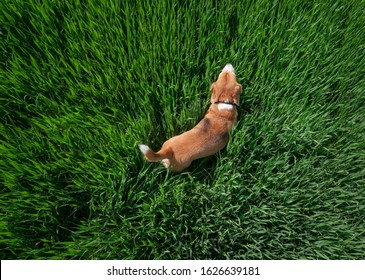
(82, 83)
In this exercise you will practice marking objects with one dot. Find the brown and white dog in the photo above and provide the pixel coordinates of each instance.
(211, 134)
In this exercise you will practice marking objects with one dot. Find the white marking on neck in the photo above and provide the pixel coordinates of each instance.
(223, 106)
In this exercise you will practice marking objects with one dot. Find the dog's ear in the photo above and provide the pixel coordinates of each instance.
(236, 97)
(213, 97)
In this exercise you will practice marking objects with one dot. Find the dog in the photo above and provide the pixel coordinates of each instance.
(211, 134)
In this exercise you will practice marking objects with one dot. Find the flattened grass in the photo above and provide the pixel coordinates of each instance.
(83, 83)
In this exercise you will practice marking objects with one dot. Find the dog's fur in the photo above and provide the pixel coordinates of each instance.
(211, 134)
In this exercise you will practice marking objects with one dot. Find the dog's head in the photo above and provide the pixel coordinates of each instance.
(226, 89)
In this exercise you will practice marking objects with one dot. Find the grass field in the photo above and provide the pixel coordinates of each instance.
(82, 83)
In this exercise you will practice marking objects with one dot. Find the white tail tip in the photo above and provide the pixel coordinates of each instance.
(144, 148)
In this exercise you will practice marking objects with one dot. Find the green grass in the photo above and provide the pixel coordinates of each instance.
(83, 83)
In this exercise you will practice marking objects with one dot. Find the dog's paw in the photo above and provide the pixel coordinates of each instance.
(166, 162)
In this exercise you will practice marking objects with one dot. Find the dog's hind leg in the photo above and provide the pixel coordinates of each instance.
(162, 155)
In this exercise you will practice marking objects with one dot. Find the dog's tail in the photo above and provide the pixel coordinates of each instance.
(153, 157)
